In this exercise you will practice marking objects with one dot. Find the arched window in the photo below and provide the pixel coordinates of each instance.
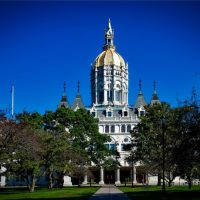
(129, 128)
(112, 129)
(101, 97)
(117, 95)
(111, 145)
(107, 129)
(123, 129)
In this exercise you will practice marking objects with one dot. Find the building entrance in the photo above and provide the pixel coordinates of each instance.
(109, 177)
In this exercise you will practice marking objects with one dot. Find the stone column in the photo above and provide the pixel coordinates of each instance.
(101, 182)
(85, 180)
(117, 181)
(96, 93)
(134, 175)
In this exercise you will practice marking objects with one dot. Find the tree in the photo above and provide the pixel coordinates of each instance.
(21, 149)
(188, 159)
(86, 145)
(148, 139)
(179, 130)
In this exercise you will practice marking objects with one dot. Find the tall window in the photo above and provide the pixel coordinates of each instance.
(101, 97)
(110, 146)
(109, 95)
(107, 129)
(123, 129)
(112, 129)
(109, 114)
(129, 128)
(125, 113)
(117, 95)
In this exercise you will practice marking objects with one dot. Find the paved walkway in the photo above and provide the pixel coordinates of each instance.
(109, 192)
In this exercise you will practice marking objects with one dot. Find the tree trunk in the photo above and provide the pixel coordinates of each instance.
(61, 180)
(170, 183)
(32, 188)
(28, 183)
(50, 184)
(189, 183)
(159, 179)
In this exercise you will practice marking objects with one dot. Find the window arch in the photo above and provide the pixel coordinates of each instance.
(107, 129)
(111, 144)
(129, 128)
(112, 128)
(117, 95)
(123, 128)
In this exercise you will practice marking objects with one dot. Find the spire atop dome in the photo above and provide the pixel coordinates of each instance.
(109, 35)
(155, 98)
(109, 25)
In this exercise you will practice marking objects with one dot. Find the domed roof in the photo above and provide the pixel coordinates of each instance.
(109, 57)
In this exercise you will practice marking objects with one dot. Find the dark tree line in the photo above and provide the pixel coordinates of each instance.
(181, 130)
(55, 144)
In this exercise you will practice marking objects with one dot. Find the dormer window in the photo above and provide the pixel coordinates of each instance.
(93, 114)
(109, 114)
(142, 113)
(125, 113)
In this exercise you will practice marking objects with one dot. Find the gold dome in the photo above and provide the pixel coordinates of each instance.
(109, 57)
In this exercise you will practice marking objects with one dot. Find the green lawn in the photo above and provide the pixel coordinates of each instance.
(72, 193)
(154, 193)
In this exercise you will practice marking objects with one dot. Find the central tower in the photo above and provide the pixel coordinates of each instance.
(109, 75)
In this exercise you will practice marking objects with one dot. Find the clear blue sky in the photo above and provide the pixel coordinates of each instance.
(43, 44)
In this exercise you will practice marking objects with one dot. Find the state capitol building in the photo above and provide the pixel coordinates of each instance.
(109, 103)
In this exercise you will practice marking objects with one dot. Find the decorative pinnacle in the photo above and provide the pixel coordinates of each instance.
(64, 87)
(154, 86)
(78, 86)
(109, 35)
(140, 86)
(109, 24)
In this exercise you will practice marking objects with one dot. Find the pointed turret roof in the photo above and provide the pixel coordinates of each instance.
(78, 103)
(140, 101)
(155, 98)
(64, 102)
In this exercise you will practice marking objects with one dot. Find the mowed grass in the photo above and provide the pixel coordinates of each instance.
(154, 193)
(72, 193)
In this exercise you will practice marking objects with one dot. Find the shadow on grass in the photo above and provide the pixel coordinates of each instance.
(171, 194)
